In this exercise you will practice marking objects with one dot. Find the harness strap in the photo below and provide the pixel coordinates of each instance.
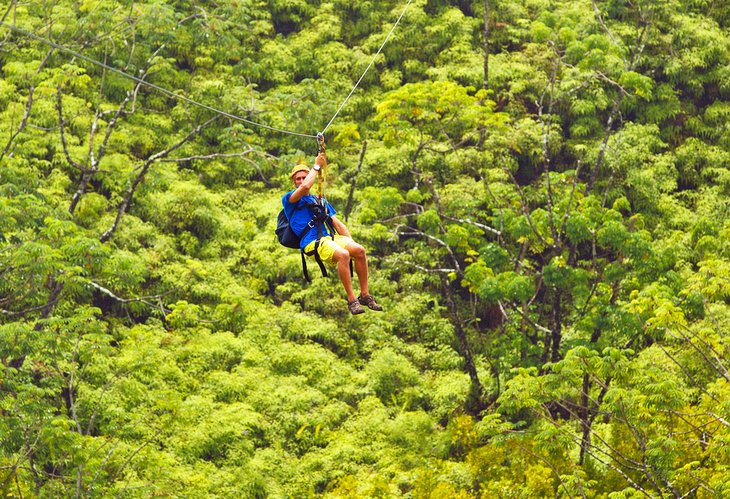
(304, 267)
(331, 227)
(317, 258)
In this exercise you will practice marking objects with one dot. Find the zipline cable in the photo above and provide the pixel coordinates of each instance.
(367, 68)
(148, 84)
(322, 174)
(164, 91)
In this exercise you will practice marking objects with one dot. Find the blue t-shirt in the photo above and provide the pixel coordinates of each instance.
(299, 215)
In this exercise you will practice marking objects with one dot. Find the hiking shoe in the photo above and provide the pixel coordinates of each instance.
(355, 308)
(369, 302)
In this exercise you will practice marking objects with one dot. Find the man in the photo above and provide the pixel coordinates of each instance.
(338, 251)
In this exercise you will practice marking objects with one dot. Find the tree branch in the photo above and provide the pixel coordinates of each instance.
(570, 198)
(62, 131)
(416, 232)
(95, 162)
(28, 107)
(550, 465)
(523, 205)
(630, 65)
(603, 24)
(525, 317)
(475, 224)
(141, 299)
(424, 269)
(124, 205)
(241, 155)
(208, 156)
(546, 124)
(721, 370)
(604, 462)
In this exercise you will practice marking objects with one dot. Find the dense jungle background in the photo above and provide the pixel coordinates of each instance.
(542, 187)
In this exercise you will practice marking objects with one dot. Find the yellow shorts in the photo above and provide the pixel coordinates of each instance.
(327, 247)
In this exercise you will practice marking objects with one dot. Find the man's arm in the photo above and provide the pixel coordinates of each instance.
(303, 187)
(308, 182)
(340, 227)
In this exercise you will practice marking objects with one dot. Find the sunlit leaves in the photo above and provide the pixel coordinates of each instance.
(422, 106)
(186, 356)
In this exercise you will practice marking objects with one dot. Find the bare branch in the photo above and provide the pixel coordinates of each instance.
(97, 406)
(485, 45)
(13, 313)
(630, 65)
(424, 269)
(436, 199)
(570, 198)
(142, 299)
(124, 205)
(11, 5)
(28, 107)
(416, 232)
(133, 96)
(617, 456)
(614, 83)
(720, 369)
(475, 224)
(715, 354)
(720, 419)
(546, 124)
(525, 317)
(87, 174)
(523, 205)
(603, 24)
(208, 156)
(240, 155)
(590, 450)
(604, 143)
(62, 130)
(134, 453)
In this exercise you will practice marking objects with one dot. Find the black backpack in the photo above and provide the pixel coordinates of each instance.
(284, 232)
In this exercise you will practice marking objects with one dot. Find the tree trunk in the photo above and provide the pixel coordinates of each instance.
(475, 403)
(586, 413)
(557, 327)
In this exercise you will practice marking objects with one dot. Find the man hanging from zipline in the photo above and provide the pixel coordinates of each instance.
(323, 236)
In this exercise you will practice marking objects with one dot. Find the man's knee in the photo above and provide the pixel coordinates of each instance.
(356, 250)
(341, 255)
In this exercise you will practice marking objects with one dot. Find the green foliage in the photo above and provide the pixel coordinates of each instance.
(550, 240)
(391, 375)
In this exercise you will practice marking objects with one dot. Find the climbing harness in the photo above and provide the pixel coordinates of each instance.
(320, 219)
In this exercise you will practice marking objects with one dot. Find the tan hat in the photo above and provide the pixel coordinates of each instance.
(299, 168)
